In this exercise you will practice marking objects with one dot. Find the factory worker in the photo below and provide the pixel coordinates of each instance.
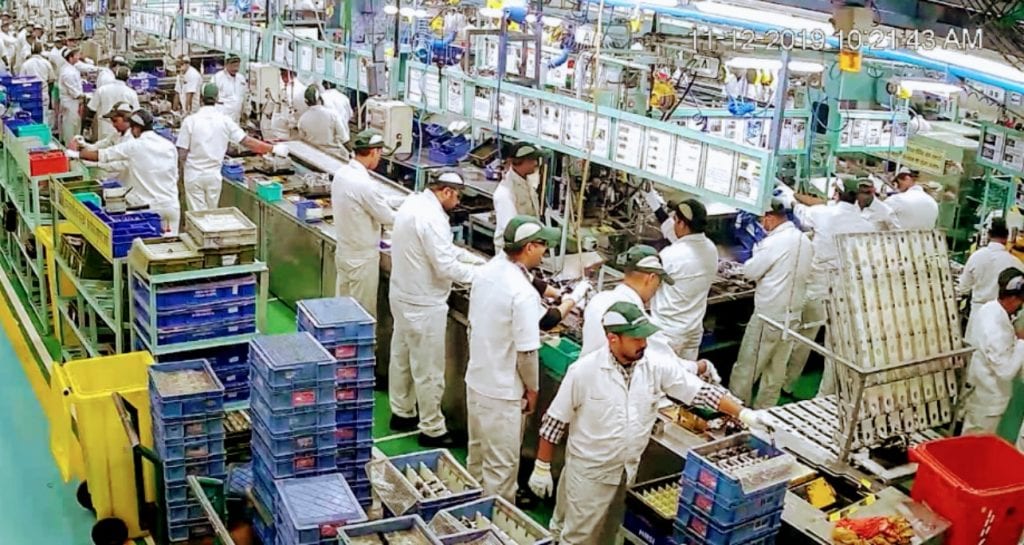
(692, 261)
(152, 168)
(23, 51)
(779, 266)
(296, 96)
(56, 53)
(997, 358)
(232, 88)
(876, 212)
(37, 66)
(86, 66)
(607, 403)
(118, 117)
(339, 102)
(202, 144)
(360, 210)
(71, 96)
(424, 263)
(106, 74)
(187, 86)
(104, 99)
(517, 192)
(8, 43)
(502, 377)
(912, 207)
(662, 212)
(321, 127)
(826, 221)
(979, 278)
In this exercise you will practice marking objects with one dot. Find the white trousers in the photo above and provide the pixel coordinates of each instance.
(586, 511)
(812, 320)
(70, 120)
(494, 444)
(416, 370)
(763, 357)
(359, 279)
(686, 345)
(982, 414)
(170, 217)
(203, 192)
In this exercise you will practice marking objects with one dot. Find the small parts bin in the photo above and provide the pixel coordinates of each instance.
(47, 162)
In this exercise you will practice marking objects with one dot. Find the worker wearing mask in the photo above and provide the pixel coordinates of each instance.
(608, 405)
(37, 66)
(779, 267)
(71, 96)
(424, 263)
(692, 261)
(231, 87)
(360, 210)
(502, 378)
(118, 118)
(998, 356)
(187, 86)
(980, 276)
(517, 192)
(912, 207)
(321, 127)
(826, 221)
(152, 168)
(104, 99)
(202, 144)
(337, 101)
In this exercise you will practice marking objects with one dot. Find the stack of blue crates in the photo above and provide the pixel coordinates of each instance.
(347, 331)
(27, 93)
(187, 404)
(230, 362)
(313, 508)
(292, 409)
(715, 509)
(195, 310)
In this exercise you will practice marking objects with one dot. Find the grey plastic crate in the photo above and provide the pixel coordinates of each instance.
(220, 228)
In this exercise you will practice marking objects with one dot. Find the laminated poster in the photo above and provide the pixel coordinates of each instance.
(755, 133)
(364, 76)
(281, 52)
(340, 70)
(319, 60)
(629, 144)
(456, 99)
(507, 111)
(992, 147)
(899, 134)
(575, 128)
(482, 109)
(305, 58)
(1013, 153)
(432, 90)
(718, 171)
(414, 93)
(551, 121)
(748, 179)
(528, 111)
(602, 138)
(687, 161)
(658, 153)
(873, 134)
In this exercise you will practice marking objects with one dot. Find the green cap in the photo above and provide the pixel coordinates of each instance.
(643, 258)
(693, 212)
(522, 230)
(628, 320)
(210, 91)
(367, 139)
(855, 185)
(232, 59)
(525, 150)
(312, 95)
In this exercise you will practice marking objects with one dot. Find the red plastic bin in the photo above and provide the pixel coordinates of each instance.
(48, 162)
(977, 483)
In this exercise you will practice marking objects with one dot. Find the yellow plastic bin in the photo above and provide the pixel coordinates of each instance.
(96, 429)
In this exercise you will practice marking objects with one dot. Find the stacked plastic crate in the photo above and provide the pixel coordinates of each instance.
(347, 331)
(187, 404)
(313, 508)
(732, 493)
(27, 94)
(293, 416)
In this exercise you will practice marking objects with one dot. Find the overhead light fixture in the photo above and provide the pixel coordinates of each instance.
(757, 63)
(421, 13)
(390, 9)
(929, 86)
(974, 62)
(764, 17)
(407, 12)
(805, 67)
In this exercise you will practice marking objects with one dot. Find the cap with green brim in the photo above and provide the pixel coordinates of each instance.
(643, 258)
(121, 109)
(232, 59)
(854, 185)
(368, 139)
(210, 90)
(525, 150)
(628, 320)
(522, 230)
(693, 212)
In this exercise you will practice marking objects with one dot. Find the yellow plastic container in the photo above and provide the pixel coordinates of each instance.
(95, 428)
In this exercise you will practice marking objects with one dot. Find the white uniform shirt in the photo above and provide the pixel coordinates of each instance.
(104, 76)
(997, 358)
(610, 423)
(337, 101)
(70, 84)
(504, 319)
(152, 168)
(206, 135)
(85, 68)
(232, 92)
(914, 208)
(360, 209)
(22, 53)
(38, 67)
(321, 127)
(780, 266)
(424, 258)
(980, 276)
(56, 59)
(593, 330)
(508, 205)
(104, 99)
(827, 221)
(189, 82)
(117, 169)
(692, 261)
(880, 216)
(297, 100)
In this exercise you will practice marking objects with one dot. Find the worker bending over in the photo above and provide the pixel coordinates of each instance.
(107, 74)
(912, 207)
(980, 276)
(779, 267)
(104, 99)
(71, 97)
(360, 210)
(118, 117)
(231, 88)
(152, 168)
(187, 86)
(203, 143)
(608, 405)
(517, 192)
(321, 126)
(424, 263)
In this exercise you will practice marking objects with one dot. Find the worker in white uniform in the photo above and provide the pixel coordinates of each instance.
(998, 356)
(877, 212)
(339, 102)
(360, 211)
(912, 207)
(106, 74)
(38, 67)
(118, 117)
(424, 263)
(608, 403)
(71, 97)
(56, 53)
(826, 221)
(8, 43)
(516, 194)
(152, 168)
(107, 96)
(23, 51)
(232, 88)
(502, 377)
(981, 272)
(202, 144)
(187, 86)
(321, 127)
(779, 267)
(692, 261)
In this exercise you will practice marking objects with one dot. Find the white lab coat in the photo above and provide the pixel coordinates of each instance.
(38, 67)
(504, 320)
(996, 361)
(692, 261)
(980, 277)
(22, 52)
(337, 101)
(360, 210)
(71, 96)
(914, 208)
(152, 174)
(880, 216)
(56, 59)
(514, 196)
(321, 127)
(104, 76)
(424, 263)
(189, 82)
(206, 135)
(104, 99)
(232, 91)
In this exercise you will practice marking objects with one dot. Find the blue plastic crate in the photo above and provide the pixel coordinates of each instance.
(199, 314)
(205, 426)
(645, 530)
(295, 440)
(170, 402)
(349, 370)
(189, 531)
(353, 471)
(726, 488)
(353, 433)
(351, 350)
(295, 396)
(229, 356)
(214, 466)
(265, 533)
(335, 319)
(687, 538)
(703, 501)
(313, 508)
(233, 376)
(190, 449)
(397, 524)
(359, 451)
(353, 391)
(285, 420)
(702, 528)
(239, 479)
(356, 411)
(263, 485)
(298, 464)
(185, 294)
(293, 358)
(363, 493)
(232, 395)
(432, 459)
(189, 334)
(185, 512)
(177, 491)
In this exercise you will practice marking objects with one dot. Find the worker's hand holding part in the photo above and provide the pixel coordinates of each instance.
(76, 143)
(541, 482)
(756, 420)
(580, 292)
(707, 372)
(653, 199)
(72, 154)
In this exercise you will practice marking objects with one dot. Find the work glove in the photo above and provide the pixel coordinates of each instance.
(579, 292)
(784, 193)
(541, 482)
(281, 150)
(710, 374)
(756, 420)
(654, 199)
(71, 154)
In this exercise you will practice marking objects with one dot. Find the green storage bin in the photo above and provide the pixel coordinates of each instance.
(269, 192)
(89, 197)
(557, 357)
(38, 130)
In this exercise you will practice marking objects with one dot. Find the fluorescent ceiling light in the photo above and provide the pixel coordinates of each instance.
(390, 9)
(420, 13)
(929, 86)
(805, 67)
(407, 12)
(763, 16)
(756, 63)
(974, 62)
